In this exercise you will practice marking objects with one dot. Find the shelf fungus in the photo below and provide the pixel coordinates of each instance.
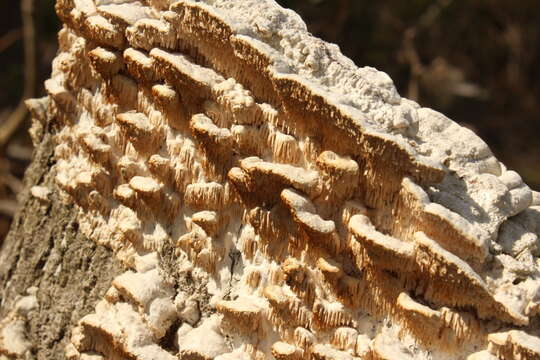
(271, 200)
(129, 322)
(14, 343)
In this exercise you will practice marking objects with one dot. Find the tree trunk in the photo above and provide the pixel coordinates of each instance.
(46, 250)
(212, 182)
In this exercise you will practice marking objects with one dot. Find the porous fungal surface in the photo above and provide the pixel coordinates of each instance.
(271, 200)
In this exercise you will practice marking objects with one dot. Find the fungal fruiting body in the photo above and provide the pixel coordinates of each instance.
(270, 200)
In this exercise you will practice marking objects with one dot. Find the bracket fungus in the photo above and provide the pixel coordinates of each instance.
(271, 200)
(13, 327)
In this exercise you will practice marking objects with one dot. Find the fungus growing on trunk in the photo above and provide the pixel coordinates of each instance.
(269, 199)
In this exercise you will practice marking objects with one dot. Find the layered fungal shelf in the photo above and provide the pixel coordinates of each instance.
(270, 200)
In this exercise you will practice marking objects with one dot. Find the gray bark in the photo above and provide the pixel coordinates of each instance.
(45, 249)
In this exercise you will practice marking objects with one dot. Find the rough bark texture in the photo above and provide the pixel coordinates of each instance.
(266, 198)
(46, 250)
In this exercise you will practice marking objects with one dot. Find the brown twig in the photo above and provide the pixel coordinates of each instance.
(12, 182)
(8, 207)
(17, 117)
(415, 64)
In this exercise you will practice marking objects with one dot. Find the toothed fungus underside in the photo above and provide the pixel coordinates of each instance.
(271, 200)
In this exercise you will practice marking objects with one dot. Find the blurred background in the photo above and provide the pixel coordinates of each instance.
(477, 61)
